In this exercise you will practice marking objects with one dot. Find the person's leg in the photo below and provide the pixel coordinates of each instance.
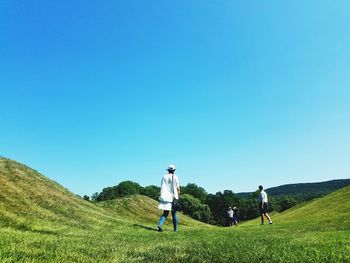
(162, 219)
(261, 208)
(175, 221)
(268, 217)
(266, 214)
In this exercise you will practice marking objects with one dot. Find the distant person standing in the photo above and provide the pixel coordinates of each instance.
(169, 190)
(263, 201)
(235, 216)
(230, 216)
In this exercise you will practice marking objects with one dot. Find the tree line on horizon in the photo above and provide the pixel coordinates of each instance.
(198, 204)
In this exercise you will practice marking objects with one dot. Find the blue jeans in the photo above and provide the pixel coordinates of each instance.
(165, 215)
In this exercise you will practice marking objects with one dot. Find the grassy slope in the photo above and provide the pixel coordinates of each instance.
(328, 213)
(29, 199)
(331, 212)
(42, 222)
(143, 209)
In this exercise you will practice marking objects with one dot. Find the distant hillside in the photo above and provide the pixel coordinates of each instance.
(306, 191)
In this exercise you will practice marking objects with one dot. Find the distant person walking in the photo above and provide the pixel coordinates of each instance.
(235, 216)
(263, 201)
(230, 216)
(169, 190)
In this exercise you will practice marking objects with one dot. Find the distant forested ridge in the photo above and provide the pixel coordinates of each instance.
(305, 191)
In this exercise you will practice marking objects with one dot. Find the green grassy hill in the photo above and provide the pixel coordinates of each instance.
(328, 213)
(29, 200)
(331, 212)
(142, 209)
(40, 221)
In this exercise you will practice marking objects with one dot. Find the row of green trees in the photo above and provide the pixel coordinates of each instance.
(125, 188)
(198, 204)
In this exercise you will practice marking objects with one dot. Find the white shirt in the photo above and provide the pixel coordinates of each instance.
(168, 188)
(262, 197)
(230, 213)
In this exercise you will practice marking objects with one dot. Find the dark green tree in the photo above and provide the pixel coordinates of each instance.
(123, 189)
(94, 196)
(195, 190)
(219, 204)
(151, 191)
(128, 188)
(194, 208)
(282, 203)
(249, 207)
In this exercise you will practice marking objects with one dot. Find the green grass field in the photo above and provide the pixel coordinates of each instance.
(42, 222)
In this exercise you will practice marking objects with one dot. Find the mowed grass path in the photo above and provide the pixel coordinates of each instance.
(40, 229)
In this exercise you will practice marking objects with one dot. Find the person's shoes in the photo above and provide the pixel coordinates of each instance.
(262, 224)
(271, 222)
(159, 229)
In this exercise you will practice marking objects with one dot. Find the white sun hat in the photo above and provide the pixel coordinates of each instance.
(171, 167)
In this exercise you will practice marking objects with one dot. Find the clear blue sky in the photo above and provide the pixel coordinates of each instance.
(234, 93)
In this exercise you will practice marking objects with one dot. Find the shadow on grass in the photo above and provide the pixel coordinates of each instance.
(145, 227)
(46, 232)
(27, 228)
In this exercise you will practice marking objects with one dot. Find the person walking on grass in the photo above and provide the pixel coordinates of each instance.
(169, 190)
(230, 216)
(235, 216)
(263, 201)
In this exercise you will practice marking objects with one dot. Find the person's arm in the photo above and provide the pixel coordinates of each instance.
(263, 199)
(178, 186)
